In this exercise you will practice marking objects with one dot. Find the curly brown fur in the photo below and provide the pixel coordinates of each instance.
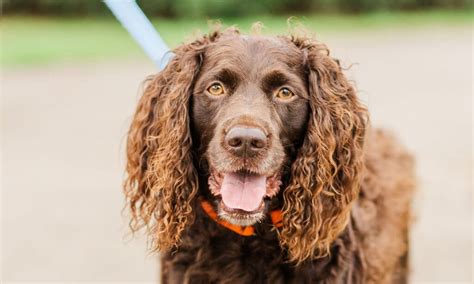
(325, 176)
(344, 189)
(162, 181)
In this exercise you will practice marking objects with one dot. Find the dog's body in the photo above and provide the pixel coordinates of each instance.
(250, 125)
(372, 249)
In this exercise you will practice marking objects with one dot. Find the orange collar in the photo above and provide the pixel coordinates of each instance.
(247, 231)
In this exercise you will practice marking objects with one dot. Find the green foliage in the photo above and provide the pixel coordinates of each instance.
(224, 8)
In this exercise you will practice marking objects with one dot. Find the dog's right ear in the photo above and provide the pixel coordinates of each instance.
(161, 180)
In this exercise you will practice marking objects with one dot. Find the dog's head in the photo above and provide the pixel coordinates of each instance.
(245, 120)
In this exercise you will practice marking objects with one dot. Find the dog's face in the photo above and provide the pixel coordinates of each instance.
(249, 114)
(243, 119)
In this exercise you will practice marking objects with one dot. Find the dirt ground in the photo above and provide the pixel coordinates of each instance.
(63, 131)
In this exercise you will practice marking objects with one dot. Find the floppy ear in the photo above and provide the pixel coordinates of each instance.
(325, 176)
(162, 181)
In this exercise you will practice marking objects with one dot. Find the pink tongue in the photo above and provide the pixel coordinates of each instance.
(243, 192)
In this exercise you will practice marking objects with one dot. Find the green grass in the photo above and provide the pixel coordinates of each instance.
(27, 41)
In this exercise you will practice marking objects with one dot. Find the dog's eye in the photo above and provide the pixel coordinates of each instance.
(216, 89)
(284, 94)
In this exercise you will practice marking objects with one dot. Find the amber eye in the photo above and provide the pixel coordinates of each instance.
(216, 89)
(285, 94)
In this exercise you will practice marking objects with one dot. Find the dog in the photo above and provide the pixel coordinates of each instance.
(250, 159)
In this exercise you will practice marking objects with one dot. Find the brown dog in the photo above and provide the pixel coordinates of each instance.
(250, 160)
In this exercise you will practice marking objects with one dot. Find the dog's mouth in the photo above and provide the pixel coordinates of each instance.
(242, 194)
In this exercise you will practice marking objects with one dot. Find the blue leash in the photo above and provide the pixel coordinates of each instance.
(140, 28)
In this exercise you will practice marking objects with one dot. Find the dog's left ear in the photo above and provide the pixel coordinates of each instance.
(325, 176)
(162, 182)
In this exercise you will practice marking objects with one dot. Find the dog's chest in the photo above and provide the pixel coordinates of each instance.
(212, 254)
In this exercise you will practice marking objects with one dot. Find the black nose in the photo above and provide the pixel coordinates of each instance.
(246, 142)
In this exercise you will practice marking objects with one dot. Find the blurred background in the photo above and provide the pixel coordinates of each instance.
(71, 77)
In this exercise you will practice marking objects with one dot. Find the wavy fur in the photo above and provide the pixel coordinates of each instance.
(162, 181)
(341, 189)
(325, 177)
